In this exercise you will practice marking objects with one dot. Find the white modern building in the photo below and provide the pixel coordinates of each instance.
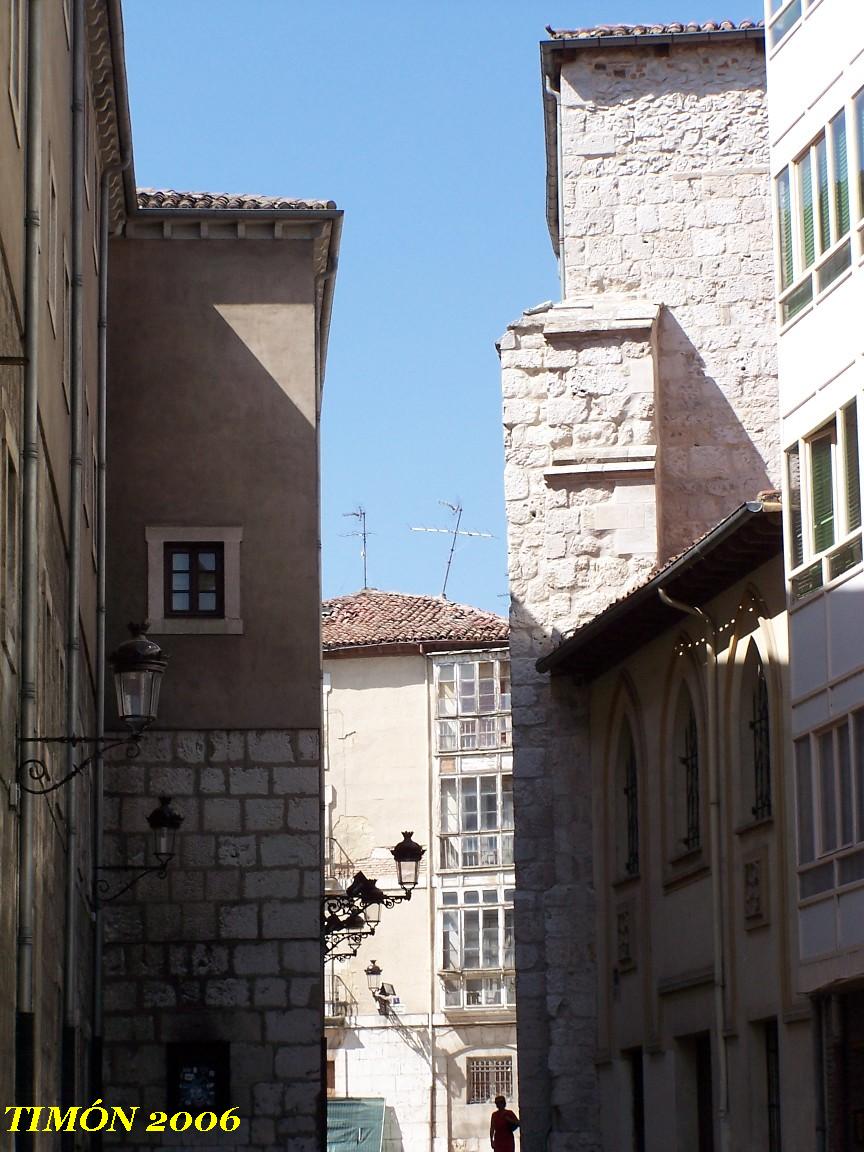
(816, 113)
(417, 722)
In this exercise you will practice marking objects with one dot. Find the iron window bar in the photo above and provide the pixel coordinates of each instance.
(690, 761)
(631, 799)
(760, 728)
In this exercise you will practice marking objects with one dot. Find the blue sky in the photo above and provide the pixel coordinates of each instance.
(423, 121)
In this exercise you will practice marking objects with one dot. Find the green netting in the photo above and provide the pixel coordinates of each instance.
(355, 1124)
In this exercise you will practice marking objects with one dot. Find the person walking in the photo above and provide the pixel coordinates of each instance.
(502, 1126)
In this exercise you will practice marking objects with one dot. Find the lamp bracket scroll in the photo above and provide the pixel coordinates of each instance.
(139, 665)
(164, 823)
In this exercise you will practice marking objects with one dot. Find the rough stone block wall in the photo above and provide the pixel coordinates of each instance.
(666, 197)
(638, 413)
(227, 947)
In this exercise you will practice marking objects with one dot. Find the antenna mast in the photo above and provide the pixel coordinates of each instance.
(360, 515)
(453, 532)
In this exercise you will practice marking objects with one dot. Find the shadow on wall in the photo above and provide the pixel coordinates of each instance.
(392, 1132)
(708, 462)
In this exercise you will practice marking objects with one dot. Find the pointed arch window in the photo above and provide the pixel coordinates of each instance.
(627, 802)
(755, 739)
(688, 828)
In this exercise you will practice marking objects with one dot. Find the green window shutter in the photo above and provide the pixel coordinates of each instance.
(822, 487)
(796, 544)
(859, 128)
(841, 174)
(853, 480)
(784, 228)
(822, 178)
(805, 184)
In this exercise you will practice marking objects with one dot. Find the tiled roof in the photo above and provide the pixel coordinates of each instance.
(218, 201)
(706, 567)
(651, 29)
(371, 617)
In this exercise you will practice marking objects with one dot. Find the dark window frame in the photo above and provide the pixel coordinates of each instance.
(215, 1054)
(194, 550)
(760, 728)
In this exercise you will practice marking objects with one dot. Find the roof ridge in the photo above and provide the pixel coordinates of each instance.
(372, 617)
(150, 198)
(650, 29)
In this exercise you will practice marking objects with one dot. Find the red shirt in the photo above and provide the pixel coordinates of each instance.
(501, 1130)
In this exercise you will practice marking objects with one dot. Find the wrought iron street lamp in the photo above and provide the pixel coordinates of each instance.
(139, 665)
(351, 916)
(164, 823)
(407, 855)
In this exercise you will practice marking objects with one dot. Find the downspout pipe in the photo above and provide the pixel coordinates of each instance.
(555, 93)
(716, 857)
(29, 573)
(101, 602)
(73, 587)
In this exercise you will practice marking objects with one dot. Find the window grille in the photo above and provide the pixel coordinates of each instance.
(690, 763)
(772, 1070)
(760, 728)
(631, 801)
(488, 1078)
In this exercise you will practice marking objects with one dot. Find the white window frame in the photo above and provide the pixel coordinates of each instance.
(455, 973)
(814, 571)
(473, 769)
(157, 536)
(824, 856)
(817, 278)
(473, 729)
(780, 13)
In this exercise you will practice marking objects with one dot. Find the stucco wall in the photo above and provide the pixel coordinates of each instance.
(212, 422)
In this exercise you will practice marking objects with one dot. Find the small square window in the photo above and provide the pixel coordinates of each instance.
(198, 1077)
(194, 580)
(488, 1078)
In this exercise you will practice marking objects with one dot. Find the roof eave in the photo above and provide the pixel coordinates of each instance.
(412, 647)
(653, 39)
(566, 652)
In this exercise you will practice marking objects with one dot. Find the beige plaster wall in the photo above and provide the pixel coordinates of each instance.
(378, 757)
(212, 401)
(663, 992)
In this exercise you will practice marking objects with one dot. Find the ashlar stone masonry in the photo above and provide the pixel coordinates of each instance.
(227, 947)
(638, 413)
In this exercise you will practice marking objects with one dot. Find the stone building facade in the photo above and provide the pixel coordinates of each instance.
(638, 412)
(58, 136)
(703, 1037)
(161, 365)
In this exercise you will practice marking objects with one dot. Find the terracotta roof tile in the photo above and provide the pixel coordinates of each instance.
(371, 617)
(219, 201)
(651, 29)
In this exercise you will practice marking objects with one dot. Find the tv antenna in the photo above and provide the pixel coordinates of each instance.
(456, 510)
(360, 515)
